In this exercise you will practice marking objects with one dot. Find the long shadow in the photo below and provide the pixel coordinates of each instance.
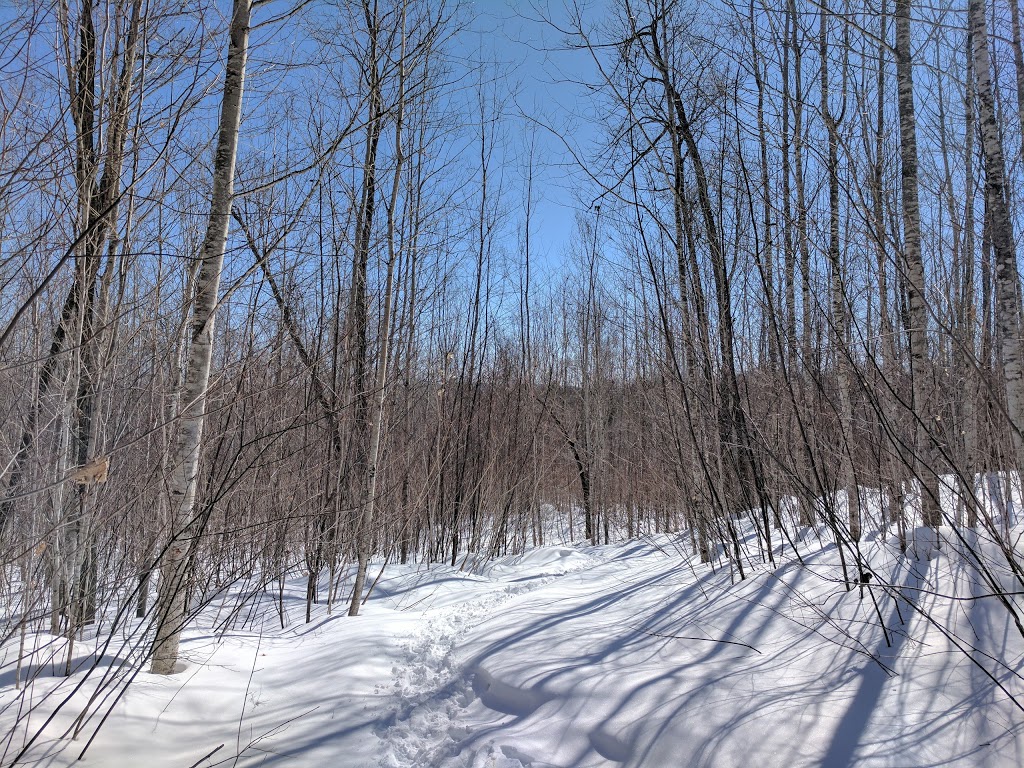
(842, 750)
(655, 623)
(543, 625)
(686, 602)
(662, 620)
(54, 668)
(505, 699)
(991, 634)
(757, 600)
(593, 607)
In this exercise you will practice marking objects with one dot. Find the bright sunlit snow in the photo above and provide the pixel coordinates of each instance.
(630, 654)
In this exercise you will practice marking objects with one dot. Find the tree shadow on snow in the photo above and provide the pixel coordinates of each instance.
(842, 750)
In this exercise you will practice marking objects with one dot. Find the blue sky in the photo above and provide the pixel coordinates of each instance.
(548, 95)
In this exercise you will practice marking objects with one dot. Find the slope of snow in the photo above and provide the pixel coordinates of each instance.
(630, 654)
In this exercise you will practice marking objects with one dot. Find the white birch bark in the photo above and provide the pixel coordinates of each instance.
(1007, 278)
(186, 524)
(917, 309)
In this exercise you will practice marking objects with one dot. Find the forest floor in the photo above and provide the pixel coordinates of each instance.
(629, 654)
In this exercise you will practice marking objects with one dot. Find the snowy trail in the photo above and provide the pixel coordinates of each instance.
(433, 692)
(624, 656)
(625, 662)
(451, 704)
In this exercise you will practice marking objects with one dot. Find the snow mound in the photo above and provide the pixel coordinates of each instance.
(509, 699)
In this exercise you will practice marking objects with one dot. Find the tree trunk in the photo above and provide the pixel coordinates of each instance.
(837, 296)
(1007, 280)
(925, 453)
(186, 524)
(363, 530)
(969, 354)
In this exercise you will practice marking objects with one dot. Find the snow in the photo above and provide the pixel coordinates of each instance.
(630, 654)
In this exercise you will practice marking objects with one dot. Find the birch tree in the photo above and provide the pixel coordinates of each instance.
(1007, 279)
(925, 454)
(186, 525)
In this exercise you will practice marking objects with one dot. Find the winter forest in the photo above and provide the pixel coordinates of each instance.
(320, 447)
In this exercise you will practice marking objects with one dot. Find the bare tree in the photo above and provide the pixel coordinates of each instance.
(917, 310)
(1007, 279)
(186, 524)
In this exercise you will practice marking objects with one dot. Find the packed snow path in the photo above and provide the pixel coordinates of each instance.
(630, 655)
(433, 691)
(629, 661)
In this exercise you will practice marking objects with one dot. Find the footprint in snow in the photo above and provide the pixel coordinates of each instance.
(433, 690)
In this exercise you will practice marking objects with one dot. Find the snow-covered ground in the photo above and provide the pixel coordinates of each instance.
(632, 654)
